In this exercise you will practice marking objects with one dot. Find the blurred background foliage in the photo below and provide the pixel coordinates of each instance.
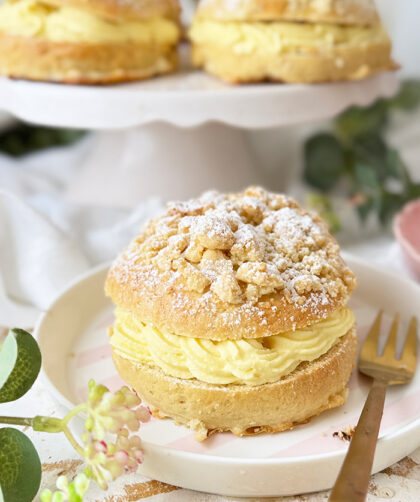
(21, 139)
(355, 158)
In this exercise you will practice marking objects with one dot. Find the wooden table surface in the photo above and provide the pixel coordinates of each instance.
(398, 483)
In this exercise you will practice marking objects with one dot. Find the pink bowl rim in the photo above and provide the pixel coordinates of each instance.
(405, 243)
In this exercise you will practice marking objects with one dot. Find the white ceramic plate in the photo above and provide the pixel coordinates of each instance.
(73, 339)
(186, 98)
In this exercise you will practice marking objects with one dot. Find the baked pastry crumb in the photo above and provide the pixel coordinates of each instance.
(345, 434)
(252, 255)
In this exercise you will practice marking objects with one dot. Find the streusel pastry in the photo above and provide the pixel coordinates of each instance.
(232, 314)
(289, 40)
(88, 41)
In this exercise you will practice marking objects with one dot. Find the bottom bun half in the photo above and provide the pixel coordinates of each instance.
(337, 64)
(311, 388)
(83, 63)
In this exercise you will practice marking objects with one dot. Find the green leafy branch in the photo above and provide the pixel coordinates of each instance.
(24, 138)
(106, 414)
(357, 156)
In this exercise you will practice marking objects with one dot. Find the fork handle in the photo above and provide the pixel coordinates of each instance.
(353, 481)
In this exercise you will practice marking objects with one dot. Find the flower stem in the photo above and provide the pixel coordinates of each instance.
(17, 421)
(73, 442)
(47, 424)
(42, 424)
(74, 412)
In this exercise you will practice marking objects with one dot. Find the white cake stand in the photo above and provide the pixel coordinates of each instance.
(177, 135)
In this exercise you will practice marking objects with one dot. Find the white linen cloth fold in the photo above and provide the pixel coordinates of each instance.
(36, 260)
(45, 242)
(39, 256)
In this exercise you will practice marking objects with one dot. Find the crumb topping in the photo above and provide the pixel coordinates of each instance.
(345, 434)
(238, 248)
(342, 7)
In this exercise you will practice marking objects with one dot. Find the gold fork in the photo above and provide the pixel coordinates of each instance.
(385, 369)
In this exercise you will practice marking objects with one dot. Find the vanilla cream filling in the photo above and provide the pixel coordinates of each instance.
(31, 18)
(281, 37)
(247, 361)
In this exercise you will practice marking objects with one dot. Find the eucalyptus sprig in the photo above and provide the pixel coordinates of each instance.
(356, 155)
(23, 139)
(107, 445)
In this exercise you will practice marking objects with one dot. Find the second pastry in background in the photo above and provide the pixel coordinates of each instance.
(297, 41)
(88, 41)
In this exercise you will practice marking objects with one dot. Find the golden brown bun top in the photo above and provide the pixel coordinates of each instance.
(129, 10)
(231, 266)
(358, 12)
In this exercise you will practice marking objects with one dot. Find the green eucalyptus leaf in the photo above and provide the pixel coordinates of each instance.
(369, 189)
(20, 467)
(25, 138)
(391, 203)
(358, 120)
(365, 209)
(414, 191)
(324, 161)
(396, 167)
(20, 362)
(367, 179)
(372, 150)
(408, 97)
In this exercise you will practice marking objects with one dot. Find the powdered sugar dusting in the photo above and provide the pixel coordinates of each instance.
(354, 11)
(137, 9)
(319, 5)
(236, 250)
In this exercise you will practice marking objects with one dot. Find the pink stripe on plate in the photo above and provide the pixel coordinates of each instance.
(322, 442)
(91, 356)
(113, 383)
(104, 323)
(314, 445)
(357, 380)
(82, 393)
(401, 410)
(397, 412)
(362, 332)
(189, 444)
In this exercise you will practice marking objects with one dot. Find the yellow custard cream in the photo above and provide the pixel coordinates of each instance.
(281, 37)
(30, 18)
(250, 362)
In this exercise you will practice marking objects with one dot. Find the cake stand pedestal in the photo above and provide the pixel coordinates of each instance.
(177, 135)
